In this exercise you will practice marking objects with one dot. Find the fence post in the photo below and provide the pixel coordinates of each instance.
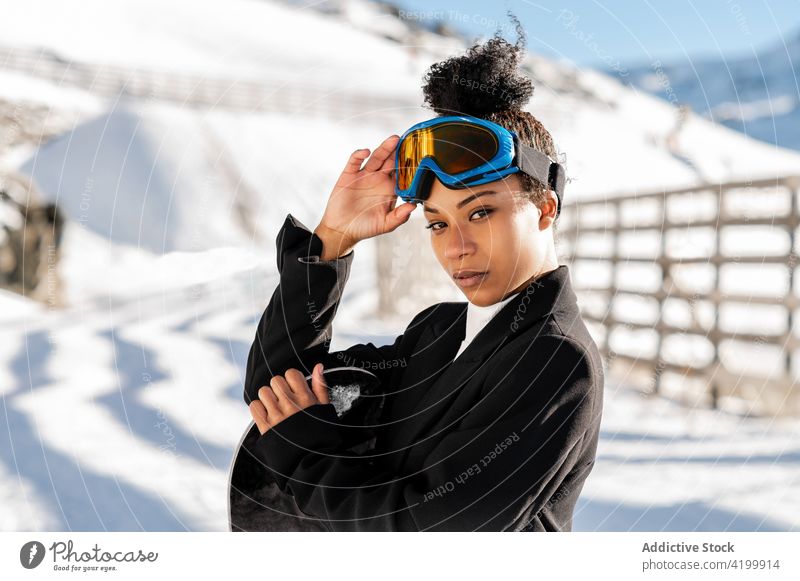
(794, 191)
(658, 366)
(613, 284)
(714, 387)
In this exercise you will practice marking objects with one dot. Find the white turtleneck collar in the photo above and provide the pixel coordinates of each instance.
(478, 317)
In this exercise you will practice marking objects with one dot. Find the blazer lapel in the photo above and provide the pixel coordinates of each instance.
(537, 300)
(433, 355)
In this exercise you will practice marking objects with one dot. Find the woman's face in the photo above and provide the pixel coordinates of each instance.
(491, 228)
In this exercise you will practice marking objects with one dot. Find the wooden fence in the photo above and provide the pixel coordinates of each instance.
(691, 293)
(198, 91)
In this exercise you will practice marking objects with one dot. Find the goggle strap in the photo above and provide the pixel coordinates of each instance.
(539, 166)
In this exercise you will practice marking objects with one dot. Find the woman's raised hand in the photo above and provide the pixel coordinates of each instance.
(362, 203)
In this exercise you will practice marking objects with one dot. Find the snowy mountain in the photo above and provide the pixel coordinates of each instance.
(757, 94)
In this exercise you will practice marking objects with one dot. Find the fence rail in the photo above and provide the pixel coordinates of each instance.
(198, 91)
(682, 349)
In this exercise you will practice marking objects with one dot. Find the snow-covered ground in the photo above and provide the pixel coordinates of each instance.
(123, 409)
(663, 467)
(124, 415)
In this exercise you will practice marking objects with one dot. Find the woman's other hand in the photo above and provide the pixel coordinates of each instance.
(362, 203)
(287, 395)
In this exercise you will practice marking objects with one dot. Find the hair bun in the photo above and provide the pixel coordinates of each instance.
(483, 81)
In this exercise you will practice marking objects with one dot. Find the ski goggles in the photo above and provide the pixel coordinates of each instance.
(465, 151)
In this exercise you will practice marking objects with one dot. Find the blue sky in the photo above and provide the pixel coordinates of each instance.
(627, 32)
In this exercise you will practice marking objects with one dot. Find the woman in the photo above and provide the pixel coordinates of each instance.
(488, 412)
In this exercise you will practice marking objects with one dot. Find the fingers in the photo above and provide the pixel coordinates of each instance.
(296, 381)
(380, 155)
(286, 399)
(259, 413)
(355, 161)
(389, 165)
(300, 390)
(287, 395)
(270, 403)
(318, 385)
(292, 390)
(398, 216)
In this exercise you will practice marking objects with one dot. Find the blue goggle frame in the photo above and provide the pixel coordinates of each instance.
(511, 157)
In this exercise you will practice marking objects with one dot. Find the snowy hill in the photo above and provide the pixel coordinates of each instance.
(757, 94)
(173, 208)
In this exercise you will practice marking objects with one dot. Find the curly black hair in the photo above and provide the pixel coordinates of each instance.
(485, 83)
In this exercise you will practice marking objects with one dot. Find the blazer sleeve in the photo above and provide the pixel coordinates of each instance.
(505, 458)
(296, 326)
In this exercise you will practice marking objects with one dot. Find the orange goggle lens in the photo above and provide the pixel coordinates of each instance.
(456, 148)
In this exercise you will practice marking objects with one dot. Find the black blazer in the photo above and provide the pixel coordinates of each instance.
(500, 440)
